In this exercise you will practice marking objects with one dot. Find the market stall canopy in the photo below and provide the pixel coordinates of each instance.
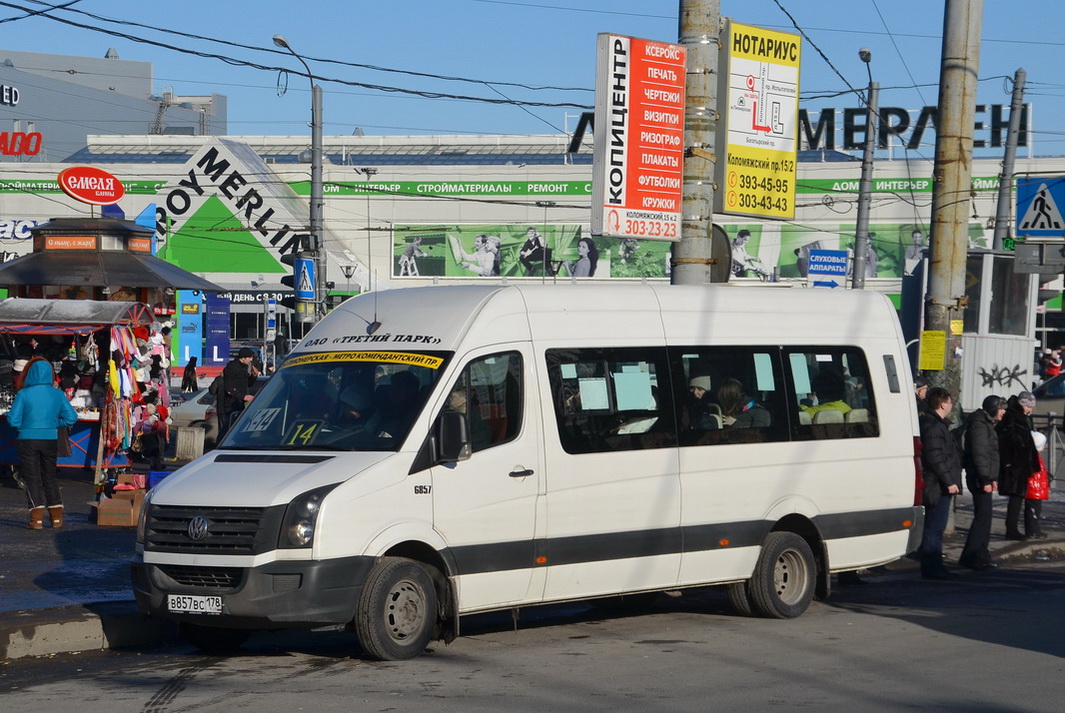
(31, 316)
(102, 252)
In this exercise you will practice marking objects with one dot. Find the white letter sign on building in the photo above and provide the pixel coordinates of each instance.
(638, 172)
(760, 83)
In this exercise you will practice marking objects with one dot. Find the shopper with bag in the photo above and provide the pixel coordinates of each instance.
(1038, 491)
(37, 413)
(1018, 459)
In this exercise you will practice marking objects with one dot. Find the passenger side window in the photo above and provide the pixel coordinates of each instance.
(730, 395)
(833, 393)
(611, 399)
(489, 392)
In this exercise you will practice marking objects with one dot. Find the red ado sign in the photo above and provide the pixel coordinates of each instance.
(91, 185)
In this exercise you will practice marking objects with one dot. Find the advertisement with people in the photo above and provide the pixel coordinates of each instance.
(533, 251)
(760, 251)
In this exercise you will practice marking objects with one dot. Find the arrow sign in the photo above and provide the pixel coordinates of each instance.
(826, 283)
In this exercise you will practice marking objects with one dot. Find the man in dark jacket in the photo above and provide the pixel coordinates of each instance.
(941, 461)
(237, 378)
(981, 477)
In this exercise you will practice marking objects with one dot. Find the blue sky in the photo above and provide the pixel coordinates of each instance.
(539, 43)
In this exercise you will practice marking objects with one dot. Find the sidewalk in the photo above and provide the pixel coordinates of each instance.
(69, 590)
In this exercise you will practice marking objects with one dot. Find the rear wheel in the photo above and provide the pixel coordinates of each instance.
(783, 581)
(213, 640)
(397, 612)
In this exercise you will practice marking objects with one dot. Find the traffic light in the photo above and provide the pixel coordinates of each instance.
(289, 281)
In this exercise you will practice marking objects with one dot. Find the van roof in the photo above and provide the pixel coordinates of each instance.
(441, 317)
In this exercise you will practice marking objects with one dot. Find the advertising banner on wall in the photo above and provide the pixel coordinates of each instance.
(758, 137)
(523, 251)
(638, 169)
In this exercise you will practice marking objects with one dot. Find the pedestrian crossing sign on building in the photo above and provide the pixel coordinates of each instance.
(1039, 204)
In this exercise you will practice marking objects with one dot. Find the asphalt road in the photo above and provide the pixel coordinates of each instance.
(987, 642)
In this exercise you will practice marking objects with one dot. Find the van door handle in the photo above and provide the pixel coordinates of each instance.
(520, 473)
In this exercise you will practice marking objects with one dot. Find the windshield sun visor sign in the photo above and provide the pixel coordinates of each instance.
(425, 360)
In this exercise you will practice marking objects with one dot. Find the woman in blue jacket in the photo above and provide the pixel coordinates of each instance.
(39, 410)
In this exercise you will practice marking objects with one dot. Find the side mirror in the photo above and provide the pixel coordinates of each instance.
(452, 438)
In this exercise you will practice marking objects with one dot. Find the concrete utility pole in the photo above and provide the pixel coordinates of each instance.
(953, 178)
(699, 32)
(1005, 179)
(865, 185)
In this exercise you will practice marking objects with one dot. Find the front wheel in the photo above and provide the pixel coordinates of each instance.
(397, 612)
(783, 582)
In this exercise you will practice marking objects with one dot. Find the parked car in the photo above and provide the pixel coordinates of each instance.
(1050, 396)
(192, 410)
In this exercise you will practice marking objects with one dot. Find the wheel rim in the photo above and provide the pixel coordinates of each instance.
(790, 577)
(405, 613)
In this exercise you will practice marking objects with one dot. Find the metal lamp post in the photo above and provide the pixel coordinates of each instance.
(865, 185)
(317, 201)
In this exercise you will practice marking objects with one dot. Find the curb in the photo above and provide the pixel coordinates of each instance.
(80, 628)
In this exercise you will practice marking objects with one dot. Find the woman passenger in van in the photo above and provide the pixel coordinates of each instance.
(738, 410)
(701, 413)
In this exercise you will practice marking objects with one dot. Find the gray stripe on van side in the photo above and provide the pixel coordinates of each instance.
(579, 549)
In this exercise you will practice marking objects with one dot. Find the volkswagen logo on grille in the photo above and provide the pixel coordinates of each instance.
(198, 527)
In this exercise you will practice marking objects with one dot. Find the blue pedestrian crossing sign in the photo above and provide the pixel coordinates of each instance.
(1039, 203)
(304, 271)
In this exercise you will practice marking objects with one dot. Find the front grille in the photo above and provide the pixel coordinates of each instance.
(209, 577)
(243, 531)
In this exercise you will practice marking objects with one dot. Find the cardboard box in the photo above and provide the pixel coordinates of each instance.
(114, 512)
(120, 510)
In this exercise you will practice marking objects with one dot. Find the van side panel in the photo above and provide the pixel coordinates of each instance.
(613, 517)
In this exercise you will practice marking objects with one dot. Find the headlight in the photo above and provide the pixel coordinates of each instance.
(142, 517)
(301, 518)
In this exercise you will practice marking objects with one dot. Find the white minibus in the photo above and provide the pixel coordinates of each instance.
(429, 453)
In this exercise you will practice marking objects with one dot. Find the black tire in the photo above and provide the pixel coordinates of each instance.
(784, 578)
(213, 640)
(739, 596)
(397, 611)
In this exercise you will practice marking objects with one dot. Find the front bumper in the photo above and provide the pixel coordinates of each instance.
(280, 594)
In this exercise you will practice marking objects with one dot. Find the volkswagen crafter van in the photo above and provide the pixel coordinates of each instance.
(433, 452)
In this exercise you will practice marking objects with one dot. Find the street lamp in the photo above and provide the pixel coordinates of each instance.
(317, 202)
(865, 185)
(369, 172)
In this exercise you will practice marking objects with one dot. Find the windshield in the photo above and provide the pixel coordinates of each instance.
(349, 401)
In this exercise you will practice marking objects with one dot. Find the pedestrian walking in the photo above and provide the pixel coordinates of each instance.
(941, 461)
(189, 380)
(981, 461)
(1018, 460)
(37, 413)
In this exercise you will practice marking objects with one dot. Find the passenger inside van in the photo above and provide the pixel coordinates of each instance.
(830, 389)
(738, 410)
(401, 406)
(701, 413)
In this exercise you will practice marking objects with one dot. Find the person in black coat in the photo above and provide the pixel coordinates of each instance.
(237, 378)
(1018, 461)
(981, 460)
(189, 382)
(941, 461)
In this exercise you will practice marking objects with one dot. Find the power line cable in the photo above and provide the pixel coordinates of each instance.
(255, 65)
(309, 58)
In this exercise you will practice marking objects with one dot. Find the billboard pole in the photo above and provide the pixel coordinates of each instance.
(699, 32)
